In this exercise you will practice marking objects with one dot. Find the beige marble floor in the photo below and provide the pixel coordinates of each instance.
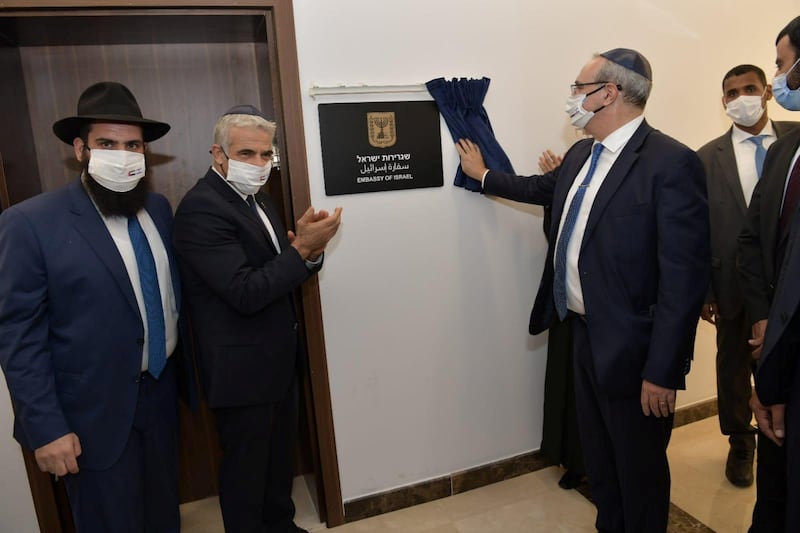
(533, 502)
(697, 454)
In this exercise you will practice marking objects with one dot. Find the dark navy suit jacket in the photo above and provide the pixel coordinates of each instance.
(644, 260)
(239, 292)
(70, 326)
(782, 340)
(759, 242)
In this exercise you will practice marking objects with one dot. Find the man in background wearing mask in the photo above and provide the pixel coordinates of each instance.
(89, 300)
(766, 261)
(240, 269)
(628, 264)
(733, 164)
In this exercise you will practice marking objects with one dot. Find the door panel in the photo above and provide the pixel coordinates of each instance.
(206, 61)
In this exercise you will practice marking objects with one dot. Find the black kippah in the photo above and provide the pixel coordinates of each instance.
(246, 109)
(631, 60)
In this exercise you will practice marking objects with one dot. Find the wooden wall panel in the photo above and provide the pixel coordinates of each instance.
(187, 85)
(5, 202)
(17, 146)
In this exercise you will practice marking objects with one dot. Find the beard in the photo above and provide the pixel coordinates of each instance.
(117, 204)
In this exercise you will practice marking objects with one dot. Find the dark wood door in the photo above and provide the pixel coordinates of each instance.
(204, 61)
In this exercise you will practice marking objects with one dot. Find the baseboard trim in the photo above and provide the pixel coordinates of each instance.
(443, 487)
(696, 411)
(480, 476)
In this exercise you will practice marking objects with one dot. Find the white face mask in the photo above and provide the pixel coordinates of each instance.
(578, 115)
(116, 170)
(247, 178)
(745, 110)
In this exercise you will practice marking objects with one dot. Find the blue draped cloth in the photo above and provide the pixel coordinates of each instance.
(460, 102)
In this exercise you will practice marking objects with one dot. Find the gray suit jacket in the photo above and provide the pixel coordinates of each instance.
(727, 212)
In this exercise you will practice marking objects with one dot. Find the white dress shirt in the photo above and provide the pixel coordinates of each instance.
(118, 228)
(311, 265)
(745, 153)
(613, 145)
(261, 213)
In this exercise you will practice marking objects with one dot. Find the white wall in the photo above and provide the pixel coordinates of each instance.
(426, 293)
(16, 505)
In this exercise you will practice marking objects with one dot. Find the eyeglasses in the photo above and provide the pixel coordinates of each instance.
(575, 86)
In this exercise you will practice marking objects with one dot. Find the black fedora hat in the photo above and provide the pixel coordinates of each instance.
(108, 101)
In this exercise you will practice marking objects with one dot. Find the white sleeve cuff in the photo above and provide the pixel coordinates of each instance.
(314, 265)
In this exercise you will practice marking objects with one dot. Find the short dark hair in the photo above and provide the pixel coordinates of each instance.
(744, 69)
(793, 31)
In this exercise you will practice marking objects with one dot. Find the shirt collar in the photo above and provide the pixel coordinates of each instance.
(228, 183)
(617, 139)
(738, 135)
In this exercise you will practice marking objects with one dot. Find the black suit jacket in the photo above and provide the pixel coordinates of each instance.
(727, 210)
(239, 294)
(758, 240)
(776, 371)
(644, 260)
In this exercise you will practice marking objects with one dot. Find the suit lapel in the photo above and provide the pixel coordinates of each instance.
(781, 128)
(90, 225)
(241, 206)
(773, 190)
(726, 159)
(616, 175)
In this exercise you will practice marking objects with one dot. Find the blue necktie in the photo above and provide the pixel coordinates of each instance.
(154, 311)
(761, 152)
(560, 275)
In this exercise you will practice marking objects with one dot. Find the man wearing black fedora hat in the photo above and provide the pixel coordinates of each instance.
(89, 300)
(240, 269)
(629, 266)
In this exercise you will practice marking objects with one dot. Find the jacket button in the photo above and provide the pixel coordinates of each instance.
(140, 341)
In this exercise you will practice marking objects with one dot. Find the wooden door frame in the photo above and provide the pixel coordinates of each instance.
(5, 202)
(295, 163)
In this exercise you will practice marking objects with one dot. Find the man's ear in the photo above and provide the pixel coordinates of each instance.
(613, 92)
(793, 76)
(220, 159)
(78, 145)
(217, 153)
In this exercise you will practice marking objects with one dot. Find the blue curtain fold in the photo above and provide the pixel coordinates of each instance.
(460, 102)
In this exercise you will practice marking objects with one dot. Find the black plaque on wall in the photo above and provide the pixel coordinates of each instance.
(381, 146)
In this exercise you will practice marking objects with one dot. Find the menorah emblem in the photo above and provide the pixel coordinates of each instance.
(381, 129)
(381, 123)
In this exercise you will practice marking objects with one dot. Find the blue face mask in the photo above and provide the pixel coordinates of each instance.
(786, 97)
